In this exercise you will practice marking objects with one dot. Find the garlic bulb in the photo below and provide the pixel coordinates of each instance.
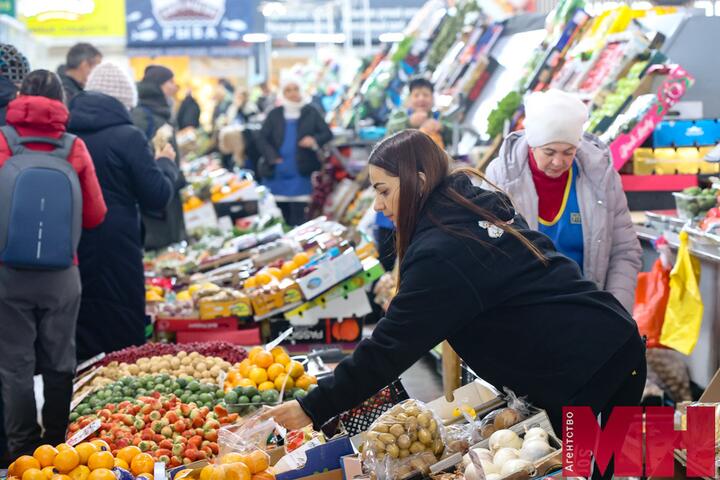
(504, 439)
(504, 455)
(516, 465)
(535, 433)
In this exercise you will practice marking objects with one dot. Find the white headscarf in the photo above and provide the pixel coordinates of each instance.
(554, 116)
(292, 109)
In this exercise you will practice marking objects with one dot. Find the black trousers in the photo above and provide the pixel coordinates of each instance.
(294, 213)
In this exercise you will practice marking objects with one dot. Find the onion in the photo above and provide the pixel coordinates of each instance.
(471, 473)
(504, 455)
(483, 454)
(493, 476)
(535, 433)
(489, 467)
(504, 439)
(516, 465)
(535, 449)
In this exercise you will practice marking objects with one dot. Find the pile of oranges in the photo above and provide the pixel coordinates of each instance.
(234, 466)
(269, 275)
(269, 370)
(87, 461)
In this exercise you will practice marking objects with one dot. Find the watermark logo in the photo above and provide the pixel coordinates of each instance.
(621, 440)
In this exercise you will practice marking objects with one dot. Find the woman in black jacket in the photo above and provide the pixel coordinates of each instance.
(289, 140)
(471, 272)
(112, 312)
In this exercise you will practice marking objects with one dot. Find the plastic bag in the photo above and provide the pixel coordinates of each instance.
(407, 439)
(651, 299)
(684, 313)
(252, 434)
(516, 411)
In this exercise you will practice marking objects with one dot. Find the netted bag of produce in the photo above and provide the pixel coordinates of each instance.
(405, 440)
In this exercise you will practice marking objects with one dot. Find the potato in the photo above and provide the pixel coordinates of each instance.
(401, 418)
(397, 430)
(378, 446)
(506, 418)
(487, 430)
(404, 441)
(404, 453)
(425, 437)
(424, 420)
(413, 434)
(412, 411)
(412, 423)
(181, 354)
(419, 465)
(438, 447)
(417, 447)
(387, 438)
(393, 451)
(433, 426)
(382, 428)
(186, 361)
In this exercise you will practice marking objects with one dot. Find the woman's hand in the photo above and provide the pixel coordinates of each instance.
(308, 142)
(290, 415)
(167, 152)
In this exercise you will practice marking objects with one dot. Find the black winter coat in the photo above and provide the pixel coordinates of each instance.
(189, 113)
(8, 92)
(310, 123)
(70, 85)
(167, 226)
(112, 312)
(542, 331)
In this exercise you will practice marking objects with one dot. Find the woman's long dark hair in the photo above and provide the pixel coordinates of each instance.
(43, 83)
(410, 152)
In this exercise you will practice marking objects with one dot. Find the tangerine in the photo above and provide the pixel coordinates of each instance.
(305, 381)
(67, 460)
(266, 475)
(266, 386)
(81, 472)
(120, 463)
(45, 454)
(276, 272)
(246, 382)
(264, 359)
(301, 258)
(274, 370)
(236, 471)
(232, 457)
(128, 453)
(102, 445)
(282, 359)
(251, 354)
(142, 463)
(284, 379)
(49, 472)
(258, 461)
(33, 474)
(207, 472)
(295, 369)
(258, 375)
(59, 476)
(102, 474)
(11, 470)
(24, 463)
(63, 446)
(85, 450)
(244, 367)
(101, 460)
(250, 283)
(277, 351)
(263, 278)
(182, 474)
(288, 268)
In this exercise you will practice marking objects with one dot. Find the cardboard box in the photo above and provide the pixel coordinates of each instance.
(325, 459)
(239, 307)
(353, 304)
(329, 273)
(264, 302)
(478, 395)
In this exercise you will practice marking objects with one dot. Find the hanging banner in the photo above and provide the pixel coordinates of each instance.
(72, 18)
(200, 27)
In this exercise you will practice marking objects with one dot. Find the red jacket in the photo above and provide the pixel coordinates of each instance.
(35, 116)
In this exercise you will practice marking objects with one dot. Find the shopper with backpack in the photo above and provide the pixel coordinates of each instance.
(48, 193)
(112, 311)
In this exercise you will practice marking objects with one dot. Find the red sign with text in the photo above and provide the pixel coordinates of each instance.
(621, 439)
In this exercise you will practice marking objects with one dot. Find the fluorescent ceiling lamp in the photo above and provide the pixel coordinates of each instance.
(316, 38)
(391, 37)
(256, 37)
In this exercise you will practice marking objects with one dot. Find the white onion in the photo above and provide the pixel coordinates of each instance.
(471, 473)
(483, 454)
(504, 439)
(512, 466)
(504, 455)
(466, 460)
(493, 476)
(536, 432)
(535, 449)
(489, 467)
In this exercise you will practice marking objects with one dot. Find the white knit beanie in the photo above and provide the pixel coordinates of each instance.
(112, 80)
(554, 116)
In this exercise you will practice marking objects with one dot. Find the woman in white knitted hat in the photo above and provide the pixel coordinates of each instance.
(563, 182)
(132, 177)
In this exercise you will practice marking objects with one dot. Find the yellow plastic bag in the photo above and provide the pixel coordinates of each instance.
(684, 313)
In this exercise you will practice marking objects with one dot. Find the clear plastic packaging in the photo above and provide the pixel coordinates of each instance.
(516, 411)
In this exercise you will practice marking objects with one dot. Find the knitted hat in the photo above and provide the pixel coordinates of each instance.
(554, 116)
(13, 64)
(157, 74)
(112, 80)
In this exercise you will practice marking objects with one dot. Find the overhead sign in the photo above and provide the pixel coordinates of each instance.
(72, 18)
(193, 26)
(7, 7)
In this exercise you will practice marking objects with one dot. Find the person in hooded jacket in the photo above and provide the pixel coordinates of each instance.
(112, 312)
(39, 308)
(289, 139)
(156, 91)
(564, 183)
(473, 273)
(13, 69)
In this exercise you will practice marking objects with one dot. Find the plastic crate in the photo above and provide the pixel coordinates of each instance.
(361, 417)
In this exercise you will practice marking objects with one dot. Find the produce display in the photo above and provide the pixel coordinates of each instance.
(234, 466)
(92, 460)
(227, 351)
(695, 202)
(266, 378)
(405, 440)
(162, 426)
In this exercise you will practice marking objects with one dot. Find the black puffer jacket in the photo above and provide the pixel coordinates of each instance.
(8, 91)
(542, 331)
(112, 312)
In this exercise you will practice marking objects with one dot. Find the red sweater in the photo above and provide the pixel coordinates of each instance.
(550, 191)
(35, 116)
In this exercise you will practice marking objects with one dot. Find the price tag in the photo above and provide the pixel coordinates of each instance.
(79, 384)
(89, 363)
(79, 400)
(83, 433)
(159, 472)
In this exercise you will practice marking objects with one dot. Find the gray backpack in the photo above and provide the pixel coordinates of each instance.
(40, 204)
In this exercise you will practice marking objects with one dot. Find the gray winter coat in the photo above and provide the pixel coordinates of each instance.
(612, 252)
